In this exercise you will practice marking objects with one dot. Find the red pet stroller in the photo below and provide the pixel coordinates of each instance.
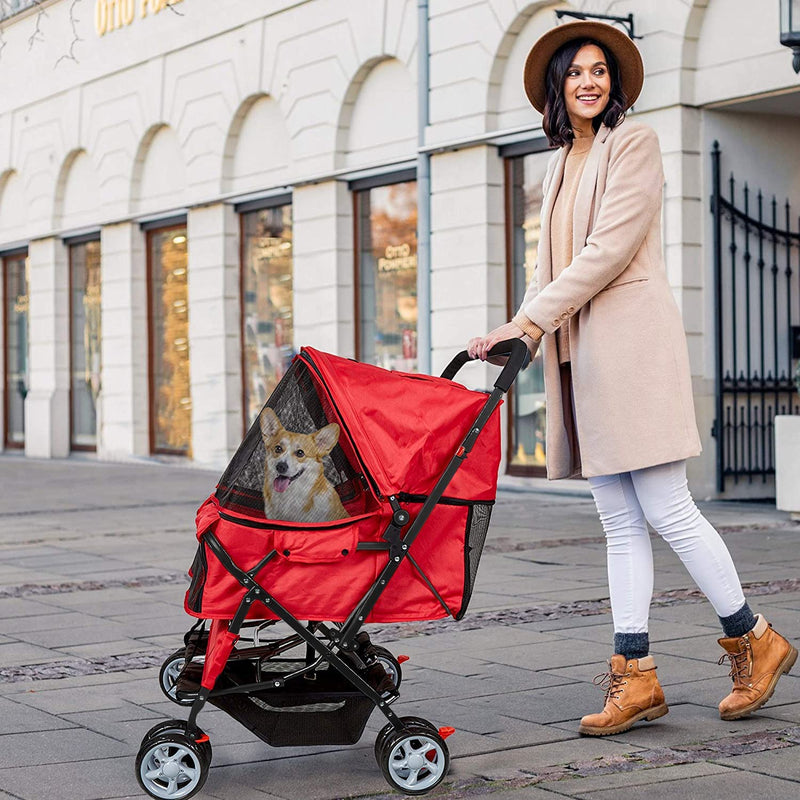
(409, 456)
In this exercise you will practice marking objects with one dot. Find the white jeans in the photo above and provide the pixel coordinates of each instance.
(659, 495)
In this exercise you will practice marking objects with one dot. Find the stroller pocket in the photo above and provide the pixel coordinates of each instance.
(328, 546)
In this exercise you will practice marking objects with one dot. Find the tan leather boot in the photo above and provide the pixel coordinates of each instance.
(633, 693)
(757, 659)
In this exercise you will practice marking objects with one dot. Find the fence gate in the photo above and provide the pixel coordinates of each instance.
(757, 303)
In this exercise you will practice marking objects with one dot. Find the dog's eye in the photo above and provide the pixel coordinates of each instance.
(300, 453)
(278, 448)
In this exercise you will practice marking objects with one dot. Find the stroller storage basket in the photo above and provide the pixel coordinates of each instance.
(325, 710)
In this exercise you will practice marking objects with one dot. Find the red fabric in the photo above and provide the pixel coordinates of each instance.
(317, 580)
(407, 426)
(220, 644)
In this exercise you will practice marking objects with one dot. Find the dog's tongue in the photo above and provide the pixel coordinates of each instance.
(281, 483)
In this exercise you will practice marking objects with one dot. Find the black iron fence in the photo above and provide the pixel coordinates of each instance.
(757, 303)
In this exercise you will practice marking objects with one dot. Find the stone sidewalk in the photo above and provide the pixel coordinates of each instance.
(92, 574)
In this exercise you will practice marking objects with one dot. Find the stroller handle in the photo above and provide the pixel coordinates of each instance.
(515, 348)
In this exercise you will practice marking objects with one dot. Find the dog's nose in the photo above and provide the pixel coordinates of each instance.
(282, 467)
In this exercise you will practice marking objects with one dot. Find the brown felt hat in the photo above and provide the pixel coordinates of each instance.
(631, 69)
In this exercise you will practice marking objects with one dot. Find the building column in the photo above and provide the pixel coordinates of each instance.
(215, 333)
(685, 212)
(324, 300)
(468, 267)
(47, 420)
(123, 416)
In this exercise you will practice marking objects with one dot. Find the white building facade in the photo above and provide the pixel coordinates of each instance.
(190, 192)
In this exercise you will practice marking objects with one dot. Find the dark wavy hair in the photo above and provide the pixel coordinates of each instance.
(556, 124)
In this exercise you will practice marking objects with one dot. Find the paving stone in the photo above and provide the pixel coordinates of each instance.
(555, 654)
(16, 717)
(640, 781)
(731, 784)
(65, 699)
(13, 653)
(777, 763)
(52, 747)
(76, 780)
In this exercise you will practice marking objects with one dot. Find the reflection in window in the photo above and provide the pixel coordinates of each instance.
(268, 306)
(171, 399)
(16, 334)
(84, 261)
(387, 266)
(526, 441)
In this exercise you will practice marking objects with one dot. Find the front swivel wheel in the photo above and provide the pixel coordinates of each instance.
(413, 760)
(171, 766)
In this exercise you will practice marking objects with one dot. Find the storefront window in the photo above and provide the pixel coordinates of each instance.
(268, 306)
(84, 259)
(16, 335)
(387, 275)
(170, 390)
(524, 176)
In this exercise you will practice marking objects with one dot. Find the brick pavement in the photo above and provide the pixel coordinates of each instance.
(92, 564)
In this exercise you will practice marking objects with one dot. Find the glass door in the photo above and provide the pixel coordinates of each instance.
(386, 263)
(524, 176)
(84, 262)
(267, 303)
(170, 388)
(15, 269)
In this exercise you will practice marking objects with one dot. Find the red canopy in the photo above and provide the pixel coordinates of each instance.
(407, 426)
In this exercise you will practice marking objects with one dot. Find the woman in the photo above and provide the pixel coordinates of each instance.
(617, 379)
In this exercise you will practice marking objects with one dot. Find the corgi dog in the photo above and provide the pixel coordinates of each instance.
(295, 486)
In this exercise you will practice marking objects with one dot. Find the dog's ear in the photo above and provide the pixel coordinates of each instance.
(325, 438)
(270, 424)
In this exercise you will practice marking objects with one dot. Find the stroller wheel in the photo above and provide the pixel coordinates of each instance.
(169, 674)
(390, 664)
(414, 760)
(171, 767)
(177, 726)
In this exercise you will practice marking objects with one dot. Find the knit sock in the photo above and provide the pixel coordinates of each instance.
(739, 623)
(632, 645)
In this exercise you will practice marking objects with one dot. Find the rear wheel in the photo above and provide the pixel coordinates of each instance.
(171, 767)
(390, 664)
(171, 670)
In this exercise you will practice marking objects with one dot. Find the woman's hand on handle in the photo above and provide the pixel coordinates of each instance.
(480, 346)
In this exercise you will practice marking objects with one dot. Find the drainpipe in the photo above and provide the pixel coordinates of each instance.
(423, 194)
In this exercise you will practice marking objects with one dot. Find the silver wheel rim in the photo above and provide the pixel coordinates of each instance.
(171, 770)
(416, 762)
(390, 668)
(170, 675)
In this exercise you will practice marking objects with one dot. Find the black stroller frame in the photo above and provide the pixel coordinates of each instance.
(174, 757)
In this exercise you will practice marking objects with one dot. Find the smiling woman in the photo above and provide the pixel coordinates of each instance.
(616, 369)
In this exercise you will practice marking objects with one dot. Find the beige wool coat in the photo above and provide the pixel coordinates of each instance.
(631, 381)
